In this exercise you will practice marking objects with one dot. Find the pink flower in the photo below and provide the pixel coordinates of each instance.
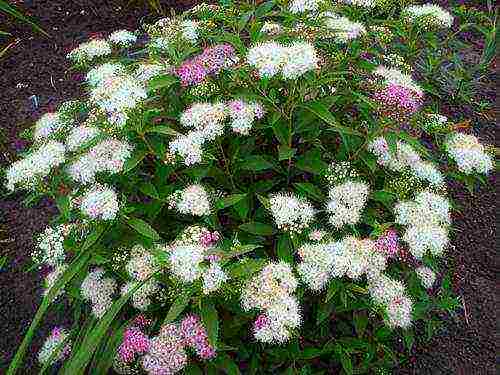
(196, 337)
(388, 243)
(134, 342)
(262, 321)
(398, 101)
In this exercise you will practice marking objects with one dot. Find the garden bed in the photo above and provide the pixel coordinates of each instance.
(36, 76)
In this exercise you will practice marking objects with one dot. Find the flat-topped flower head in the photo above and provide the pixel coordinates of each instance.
(301, 6)
(123, 38)
(469, 154)
(316, 265)
(89, 51)
(99, 291)
(428, 16)
(100, 202)
(291, 213)
(342, 28)
(48, 125)
(185, 261)
(193, 200)
(57, 341)
(346, 203)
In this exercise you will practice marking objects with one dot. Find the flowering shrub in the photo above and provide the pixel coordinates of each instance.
(239, 175)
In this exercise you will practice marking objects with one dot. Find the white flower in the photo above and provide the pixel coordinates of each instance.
(35, 166)
(188, 147)
(81, 135)
(98, 75)
(47, 125)
(343, 28)
(469, 154)
(185, 261)
(213, 278)
(267, 58)
(360, 3)
(122, 38)
(346, 203)
(88, 51)
(193, 200)
(52, 277)
(98, 290)
(145, 71)
(100, 202)
(53, 343)
(301, 6)
(206, 118)
(316, 266)
(271, 28)
(50, 246)
(277, 322)
(141, 298)
(190, 30)
(141, 264)
(426, 276)
(423, 237)
(291, 213)
(396, 77)
(300, 57)
(243, 115)
(428, 15)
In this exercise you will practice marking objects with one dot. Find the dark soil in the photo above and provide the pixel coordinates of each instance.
(36, 65)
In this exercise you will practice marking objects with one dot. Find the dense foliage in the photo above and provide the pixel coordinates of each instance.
(249, 187)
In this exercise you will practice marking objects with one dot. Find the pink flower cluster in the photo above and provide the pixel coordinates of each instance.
(388, 243)
(57, 334)
(399, 102)
(262, 321)
(195, 336)
(211, 61)
(134, 342)
(208, 239)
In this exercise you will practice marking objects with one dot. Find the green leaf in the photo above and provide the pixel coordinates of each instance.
(346, 362)
(333, 288)
(264, 201)
(246, 268)
(163, 129)
(229, 201)
(284, 248)
(385, 197)
(310, 353)
(281, 131)
(256, 163)
(134, 160)
(79, 360)
(226, 364)
(150, 190)
(192, 369)
(14, 12)
(310, 190)
(285, 152)
(161, 82)
(360, 323)
(210, 319)
(324, 312)
(259, 229)
(143, 228)
(180, 303)
(322, 111)
(264, 8)
(311, 162)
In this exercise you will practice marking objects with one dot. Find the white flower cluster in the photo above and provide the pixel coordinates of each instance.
(301, 6)
(81, 135)
(291, 213)
(205, 117)
(141, 264)
(100, 203)
(35, 166)
(193, 200)
(292, 61)
(271, 291)
(343, 28)
(405, 157)
(429, 16)
(339, 172)
(146, 71)
(107, 156)
(391, 295)
(141, 298)
(50, 245)
(396, 77)
(88, 51)
(316, 266)
(355, 257)
(359, 3)
(469, 154)
(99, 74)
(346, 203)
(122, 38)
(116, 95)
(52, 277)
(53, 343)
(243, 114)
(174, 29)
(49, 124)
(185, 261)
(426, 219)
(213, 277)
(271, 28)
(426, 276)
(98, 290)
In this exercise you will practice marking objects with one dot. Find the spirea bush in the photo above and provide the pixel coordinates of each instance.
(247, 187)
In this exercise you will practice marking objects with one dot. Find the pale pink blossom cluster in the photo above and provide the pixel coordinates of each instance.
(398, 102)
(388, 243)
(211, 62)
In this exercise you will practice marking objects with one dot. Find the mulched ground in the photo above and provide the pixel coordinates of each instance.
(37, 66)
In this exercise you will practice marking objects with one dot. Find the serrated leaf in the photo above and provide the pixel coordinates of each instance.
(257, 228)
(210, 319)
(144, 228)
(229, 201)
